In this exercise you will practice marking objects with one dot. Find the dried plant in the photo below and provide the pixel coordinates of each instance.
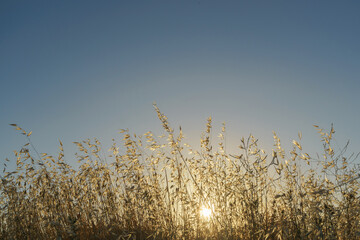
(159, 188)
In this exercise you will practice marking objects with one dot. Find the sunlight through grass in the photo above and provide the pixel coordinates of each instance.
(205, 212)
(150, 188)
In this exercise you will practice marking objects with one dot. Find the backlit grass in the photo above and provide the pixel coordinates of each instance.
(160, 188)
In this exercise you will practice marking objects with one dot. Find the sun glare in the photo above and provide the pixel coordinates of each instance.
(205, 212)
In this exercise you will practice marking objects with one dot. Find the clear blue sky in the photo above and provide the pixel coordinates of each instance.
(71, 70)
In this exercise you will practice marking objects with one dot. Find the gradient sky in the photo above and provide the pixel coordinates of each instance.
(71, 70)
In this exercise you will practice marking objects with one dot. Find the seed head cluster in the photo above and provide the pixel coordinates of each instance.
(153, 187)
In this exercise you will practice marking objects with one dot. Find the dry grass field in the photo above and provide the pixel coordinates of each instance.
(160, 188)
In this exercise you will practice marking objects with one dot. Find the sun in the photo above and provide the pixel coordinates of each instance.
(205, 212)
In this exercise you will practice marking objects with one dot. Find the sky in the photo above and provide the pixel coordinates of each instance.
(72, 70)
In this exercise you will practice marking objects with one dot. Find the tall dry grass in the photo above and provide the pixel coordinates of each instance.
(154, 188)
